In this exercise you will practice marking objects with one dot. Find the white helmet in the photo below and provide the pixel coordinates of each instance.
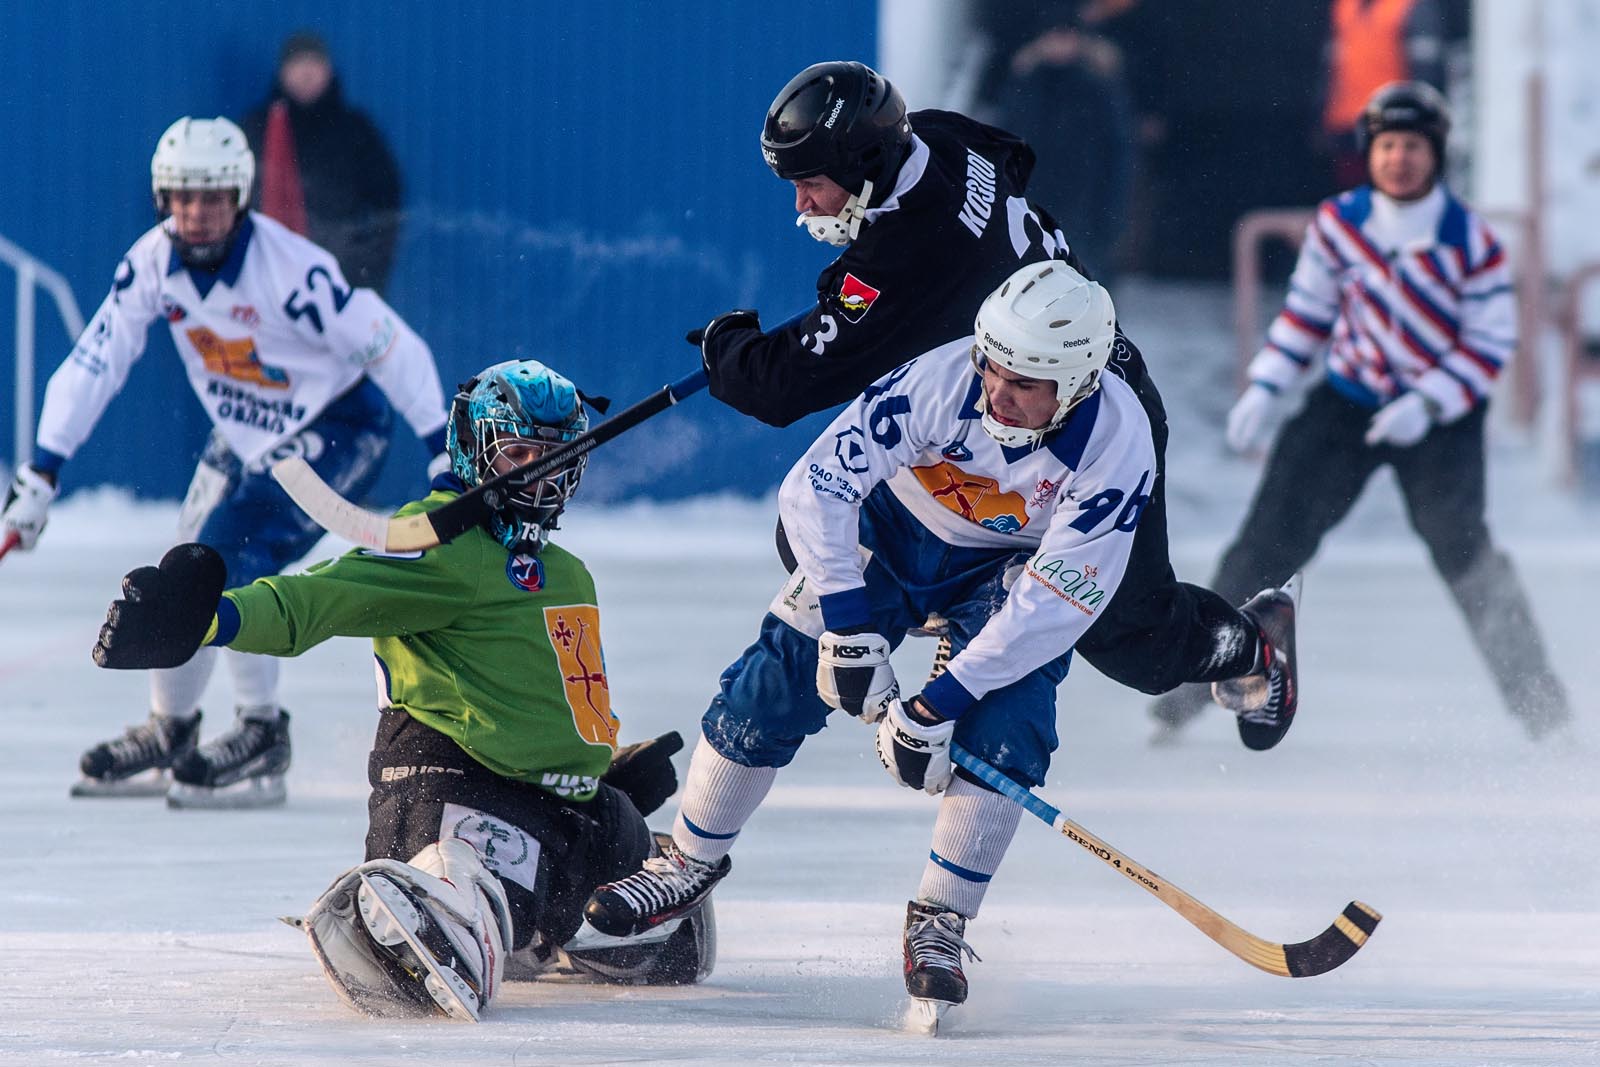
(1046, 321)
(203, 154)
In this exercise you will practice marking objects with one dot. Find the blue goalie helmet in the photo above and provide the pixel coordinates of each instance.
(503, 417)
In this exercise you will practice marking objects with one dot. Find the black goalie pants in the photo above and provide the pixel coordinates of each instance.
(548, 852)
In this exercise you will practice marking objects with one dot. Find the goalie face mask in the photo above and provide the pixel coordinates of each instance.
(513, 413)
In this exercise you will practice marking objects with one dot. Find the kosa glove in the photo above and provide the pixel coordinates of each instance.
(164, 612)
(27, 506)
(743, 318)
(1249, 417)
(914, 746)
(644, 771)
(1401, 422)
(853, 673)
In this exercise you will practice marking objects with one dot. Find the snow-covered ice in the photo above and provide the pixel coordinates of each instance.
(135, 935)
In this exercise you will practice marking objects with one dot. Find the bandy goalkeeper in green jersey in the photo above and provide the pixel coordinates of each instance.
(499, 796)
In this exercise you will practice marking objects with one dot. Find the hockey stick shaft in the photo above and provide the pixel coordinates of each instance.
(447, 522)
(13, 539)
(1321, 954)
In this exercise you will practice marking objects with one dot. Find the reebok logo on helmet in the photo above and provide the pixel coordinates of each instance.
(1075, 344)
(833, 116)
(990, 342)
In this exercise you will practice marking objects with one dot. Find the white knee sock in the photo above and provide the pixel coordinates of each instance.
(718, 797)
(970, 838)
(255, 682)
(175, 692)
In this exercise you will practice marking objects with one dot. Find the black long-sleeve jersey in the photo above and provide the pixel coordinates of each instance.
(954, 227)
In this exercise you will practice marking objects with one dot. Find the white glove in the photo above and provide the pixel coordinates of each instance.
(854, 675)
(438, 465)
(27, 502)
(1401, 422)
(1248, 419)
(915, 754)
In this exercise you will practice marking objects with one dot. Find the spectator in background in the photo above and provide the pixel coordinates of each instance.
(1064, 92)
(1370, 44)
(326, 172)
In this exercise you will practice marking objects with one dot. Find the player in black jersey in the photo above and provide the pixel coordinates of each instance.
(931, 211)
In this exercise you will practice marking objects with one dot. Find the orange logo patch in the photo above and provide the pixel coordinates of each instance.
(575, 635)
(235, 359)
(974, 497)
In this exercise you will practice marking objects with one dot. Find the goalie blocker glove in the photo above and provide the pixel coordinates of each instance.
(165, 611)
(916, 752)
(853, 673)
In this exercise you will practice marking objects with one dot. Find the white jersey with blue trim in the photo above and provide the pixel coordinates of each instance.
(1071, 504)
(268, 341)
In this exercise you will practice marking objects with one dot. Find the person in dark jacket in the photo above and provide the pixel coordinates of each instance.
(931, 212)
(326, 171)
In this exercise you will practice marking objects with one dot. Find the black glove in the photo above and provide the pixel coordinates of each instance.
(165, 611)
(644, 771)
(728, 320)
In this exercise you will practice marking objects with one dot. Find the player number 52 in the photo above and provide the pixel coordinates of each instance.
(295, 309)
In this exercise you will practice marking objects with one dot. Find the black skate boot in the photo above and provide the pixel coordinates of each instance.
(933, 948)
(137, 763)
(243, 768)
(668, 885)
(1265, 700)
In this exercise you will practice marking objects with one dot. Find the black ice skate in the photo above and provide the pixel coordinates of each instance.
(243, 768)
(669, 885)
(1265, 700)
(933, 948)
(137, 764)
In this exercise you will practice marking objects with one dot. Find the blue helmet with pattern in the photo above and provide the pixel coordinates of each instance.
(503, 411)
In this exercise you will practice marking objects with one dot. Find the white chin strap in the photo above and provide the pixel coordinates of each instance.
(839, 230)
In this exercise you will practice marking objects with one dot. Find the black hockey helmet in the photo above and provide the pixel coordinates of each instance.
(1414, 106)
(842, 120)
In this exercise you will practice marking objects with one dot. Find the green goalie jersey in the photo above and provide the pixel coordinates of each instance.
(499, 652)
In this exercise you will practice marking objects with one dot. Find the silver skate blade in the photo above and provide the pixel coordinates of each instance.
(588, 937)
(1292, 587)
(296, 921)
(266, 791)
(925, 1016)
(151, 783)
(391, 917)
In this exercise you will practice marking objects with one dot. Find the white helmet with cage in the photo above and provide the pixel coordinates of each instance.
(203, 154)
(1048, 322)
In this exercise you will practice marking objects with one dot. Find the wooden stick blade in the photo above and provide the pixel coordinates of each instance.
(338, 516)
(1335, 945)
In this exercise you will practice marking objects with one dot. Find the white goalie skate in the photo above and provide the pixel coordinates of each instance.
(398, 939)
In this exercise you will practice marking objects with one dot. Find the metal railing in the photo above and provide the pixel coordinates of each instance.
(1579, 365)
(32, 274)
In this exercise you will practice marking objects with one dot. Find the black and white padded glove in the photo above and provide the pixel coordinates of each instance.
(27, 506)
(164, 612)
(853, 673)
(914, 746)
(644, 771)
(743, 318)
